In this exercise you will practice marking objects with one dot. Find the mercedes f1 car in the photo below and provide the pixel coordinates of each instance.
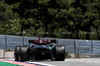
(40, 49)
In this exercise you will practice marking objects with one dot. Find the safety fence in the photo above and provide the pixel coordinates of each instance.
(72, 46)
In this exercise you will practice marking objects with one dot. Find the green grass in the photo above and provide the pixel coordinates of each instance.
(8, 64)
(67, 55)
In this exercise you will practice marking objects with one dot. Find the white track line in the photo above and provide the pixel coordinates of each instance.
(36, 63)
(41, 63)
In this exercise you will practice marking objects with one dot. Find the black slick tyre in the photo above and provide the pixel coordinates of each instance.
(24, 53)
(17, 53)
(59, 53)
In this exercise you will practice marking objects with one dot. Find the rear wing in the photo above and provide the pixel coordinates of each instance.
(42, 41)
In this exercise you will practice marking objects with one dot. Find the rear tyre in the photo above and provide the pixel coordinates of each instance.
(59, 53)
(24, 53)
(17, 53)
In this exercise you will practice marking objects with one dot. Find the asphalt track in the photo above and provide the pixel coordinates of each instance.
(75, 62)
(67, 62)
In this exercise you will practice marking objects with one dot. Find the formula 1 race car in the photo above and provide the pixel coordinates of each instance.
(40, 49)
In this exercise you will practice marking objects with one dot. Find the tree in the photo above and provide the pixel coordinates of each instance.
(9, 20)
(84, 16)
(53, 18)
(48, 14)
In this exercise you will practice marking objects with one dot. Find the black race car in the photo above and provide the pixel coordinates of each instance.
(40, 49)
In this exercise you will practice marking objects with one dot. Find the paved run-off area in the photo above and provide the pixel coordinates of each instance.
(67, 62)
